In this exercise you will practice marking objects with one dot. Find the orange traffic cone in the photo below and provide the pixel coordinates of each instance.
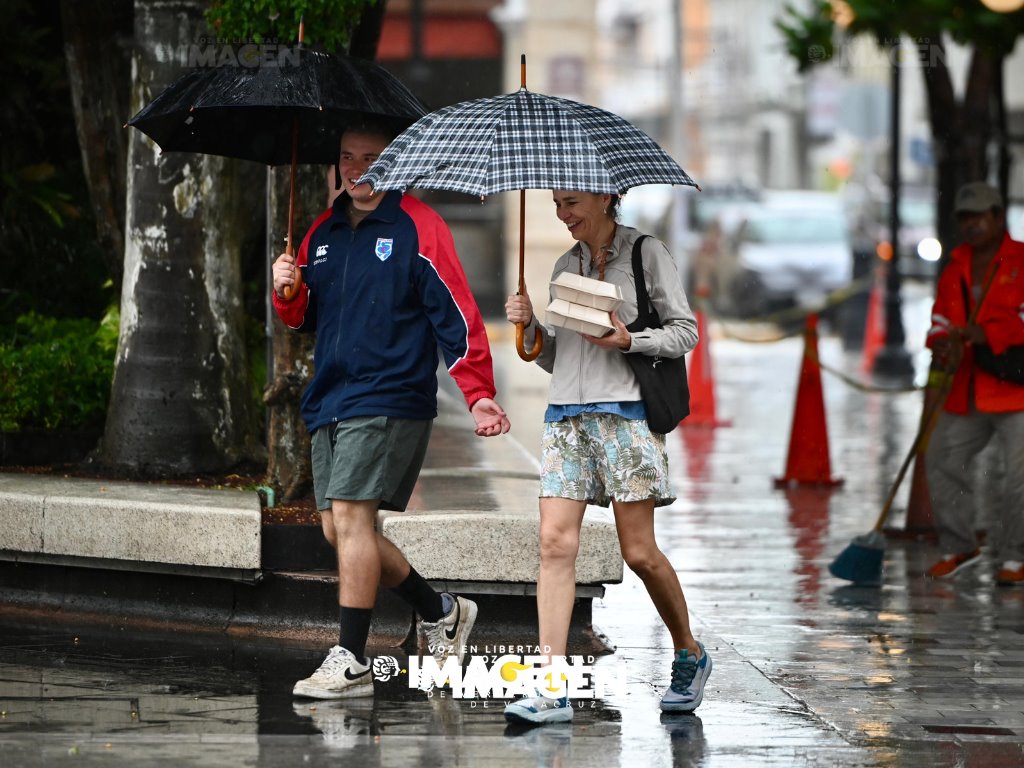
(808, 462)
(874, 327)
(700, 379)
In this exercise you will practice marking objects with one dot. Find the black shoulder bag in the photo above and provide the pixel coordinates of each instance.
(663, 385)
(1008, 366)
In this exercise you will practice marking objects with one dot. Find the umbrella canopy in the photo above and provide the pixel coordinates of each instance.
(523, 140)
(251, 113)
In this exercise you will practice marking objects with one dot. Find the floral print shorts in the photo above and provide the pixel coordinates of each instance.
(597, 457)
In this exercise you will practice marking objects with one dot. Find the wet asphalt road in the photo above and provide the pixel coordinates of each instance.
(808, 671)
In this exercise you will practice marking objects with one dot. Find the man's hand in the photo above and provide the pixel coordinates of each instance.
(283, 273)
(617, 339)
(973, 334)
(948, 351)
(490, 418)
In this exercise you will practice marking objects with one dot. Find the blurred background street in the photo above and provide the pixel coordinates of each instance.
(137, 343)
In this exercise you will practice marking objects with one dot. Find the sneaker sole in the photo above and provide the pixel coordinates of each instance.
(689, 706)
(559, 715)
(350, 692)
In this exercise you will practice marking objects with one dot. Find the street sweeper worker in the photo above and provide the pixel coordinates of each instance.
(984, 401)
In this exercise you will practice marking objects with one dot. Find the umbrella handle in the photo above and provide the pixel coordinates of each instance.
(290, 291)
(538, 337)
(538, 341)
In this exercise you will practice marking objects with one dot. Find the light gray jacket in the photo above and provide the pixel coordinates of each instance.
(585, 373)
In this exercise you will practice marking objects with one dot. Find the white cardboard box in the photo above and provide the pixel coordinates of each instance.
(577, 317)
(587, 291)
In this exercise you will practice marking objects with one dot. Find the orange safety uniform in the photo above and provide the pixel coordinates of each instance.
(1001, 317)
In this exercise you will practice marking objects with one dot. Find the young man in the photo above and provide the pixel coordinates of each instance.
(382, 288)
(980, 406)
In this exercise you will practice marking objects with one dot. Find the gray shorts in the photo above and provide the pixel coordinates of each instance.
(369, 458)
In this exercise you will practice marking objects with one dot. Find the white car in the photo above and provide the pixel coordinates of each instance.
(794, 248)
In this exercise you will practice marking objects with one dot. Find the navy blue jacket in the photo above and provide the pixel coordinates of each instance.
(382, 299)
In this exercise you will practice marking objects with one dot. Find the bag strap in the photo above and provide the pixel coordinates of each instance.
(643, 301)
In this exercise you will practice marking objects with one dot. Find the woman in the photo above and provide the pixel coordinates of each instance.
(597, 446)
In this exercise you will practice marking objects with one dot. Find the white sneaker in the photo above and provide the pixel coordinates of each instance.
(689, 675)
(448, 635)
(339, 677)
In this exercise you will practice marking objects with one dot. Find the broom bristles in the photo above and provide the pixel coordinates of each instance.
(860, 564)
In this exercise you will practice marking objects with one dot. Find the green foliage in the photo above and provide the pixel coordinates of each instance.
(328, 23)
(32, 185)
(55, 373)
(54, 265)
(809, 33)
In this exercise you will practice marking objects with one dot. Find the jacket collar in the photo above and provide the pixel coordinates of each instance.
(386, 211)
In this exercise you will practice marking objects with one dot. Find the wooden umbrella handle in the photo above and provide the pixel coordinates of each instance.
(538, 342)
(538, 337)
(290, 291)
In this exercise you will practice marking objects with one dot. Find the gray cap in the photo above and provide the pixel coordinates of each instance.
(977, 197)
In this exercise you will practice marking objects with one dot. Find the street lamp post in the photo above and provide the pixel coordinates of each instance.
(893, 360)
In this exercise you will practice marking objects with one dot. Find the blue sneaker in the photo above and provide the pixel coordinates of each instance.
(688, 677)
(539, 709)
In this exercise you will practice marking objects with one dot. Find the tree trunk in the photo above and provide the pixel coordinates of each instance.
(179, 400)
(96, 39)
(961, 131)
(288, 464)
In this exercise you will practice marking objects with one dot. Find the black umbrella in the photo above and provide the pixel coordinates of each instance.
(289, 110)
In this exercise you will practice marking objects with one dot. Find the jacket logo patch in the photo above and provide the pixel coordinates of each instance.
(321, 255)
(384, 247)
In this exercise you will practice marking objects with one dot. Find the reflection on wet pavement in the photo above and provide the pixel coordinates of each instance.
(809, 671)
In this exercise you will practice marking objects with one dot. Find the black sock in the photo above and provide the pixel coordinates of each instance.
(355, 628)
(421, 596)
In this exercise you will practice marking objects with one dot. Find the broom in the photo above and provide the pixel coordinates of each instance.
(861, 561)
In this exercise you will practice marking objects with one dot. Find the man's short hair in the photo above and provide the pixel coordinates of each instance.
(977, 197)
(372, 127)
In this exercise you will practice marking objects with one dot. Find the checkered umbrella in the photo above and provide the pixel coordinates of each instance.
(521, 141)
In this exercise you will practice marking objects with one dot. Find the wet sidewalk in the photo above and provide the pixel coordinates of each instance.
(808, 671)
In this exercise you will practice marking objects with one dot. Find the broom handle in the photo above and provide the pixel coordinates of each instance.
(930, 417)
(924, 431)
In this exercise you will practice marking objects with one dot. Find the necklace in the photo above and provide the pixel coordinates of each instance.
(601, 258)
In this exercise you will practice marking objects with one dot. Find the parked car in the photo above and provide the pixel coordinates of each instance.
(793, 248)
(920, 249)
